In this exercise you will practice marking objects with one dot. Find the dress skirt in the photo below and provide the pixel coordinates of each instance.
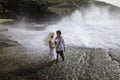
(52, 54)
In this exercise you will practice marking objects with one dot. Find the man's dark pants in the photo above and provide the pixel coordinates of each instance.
(61, 54)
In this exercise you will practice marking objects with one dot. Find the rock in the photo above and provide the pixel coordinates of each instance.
(26, 9)
(37, 9)
(6, 76)
(6, 41)
(80, 63)
(6, 21)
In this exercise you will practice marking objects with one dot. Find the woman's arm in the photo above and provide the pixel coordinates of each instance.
(51, 45)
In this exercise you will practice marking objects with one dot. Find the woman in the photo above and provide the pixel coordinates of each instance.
(52, 53)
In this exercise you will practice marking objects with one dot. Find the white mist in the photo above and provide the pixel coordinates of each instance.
(91, 27)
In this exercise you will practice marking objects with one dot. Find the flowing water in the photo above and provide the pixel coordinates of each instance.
(91, 27)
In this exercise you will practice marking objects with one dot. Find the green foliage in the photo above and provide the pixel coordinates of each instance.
(50, 1)
(39, 7)
(56, 1)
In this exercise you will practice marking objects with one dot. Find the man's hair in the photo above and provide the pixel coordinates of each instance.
(58, 31)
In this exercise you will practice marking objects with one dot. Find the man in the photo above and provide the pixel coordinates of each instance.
(60, 45)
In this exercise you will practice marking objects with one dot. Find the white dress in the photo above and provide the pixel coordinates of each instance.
(52, 53)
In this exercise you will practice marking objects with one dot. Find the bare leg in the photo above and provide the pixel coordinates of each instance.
(53, 65)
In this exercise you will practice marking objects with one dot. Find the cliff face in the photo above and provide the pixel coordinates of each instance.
(23, 8)
(37, 9)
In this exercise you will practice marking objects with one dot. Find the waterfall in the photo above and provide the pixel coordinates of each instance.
(91, 27)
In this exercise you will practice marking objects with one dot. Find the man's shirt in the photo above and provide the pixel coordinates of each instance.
(60, 44)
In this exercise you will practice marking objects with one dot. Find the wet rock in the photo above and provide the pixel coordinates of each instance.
(38, 10)
(6, 76)
(80, 63)
(6, 41)
(6, 21)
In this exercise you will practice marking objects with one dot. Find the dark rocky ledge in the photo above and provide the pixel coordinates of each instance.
(19, 63)
(80, 63)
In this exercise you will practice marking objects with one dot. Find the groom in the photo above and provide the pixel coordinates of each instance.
(60, 45)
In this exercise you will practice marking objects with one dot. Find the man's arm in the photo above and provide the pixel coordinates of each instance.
(55, 41)
(63, 43)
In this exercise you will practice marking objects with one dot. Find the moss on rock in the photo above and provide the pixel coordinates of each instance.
(38, 9)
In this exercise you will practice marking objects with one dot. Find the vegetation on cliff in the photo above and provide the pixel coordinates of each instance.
(38, 9)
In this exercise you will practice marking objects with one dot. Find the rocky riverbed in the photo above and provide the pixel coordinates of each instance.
(18, 63)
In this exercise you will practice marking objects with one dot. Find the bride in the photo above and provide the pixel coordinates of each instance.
(52, 47)
(52, 51)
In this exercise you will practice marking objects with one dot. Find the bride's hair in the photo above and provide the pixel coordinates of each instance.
(47, 39)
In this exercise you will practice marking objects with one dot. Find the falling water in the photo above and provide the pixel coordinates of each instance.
(91, 27)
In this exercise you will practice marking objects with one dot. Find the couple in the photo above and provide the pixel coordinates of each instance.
(57, 47)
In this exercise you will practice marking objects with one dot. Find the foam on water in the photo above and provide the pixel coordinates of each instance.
(89, 27)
